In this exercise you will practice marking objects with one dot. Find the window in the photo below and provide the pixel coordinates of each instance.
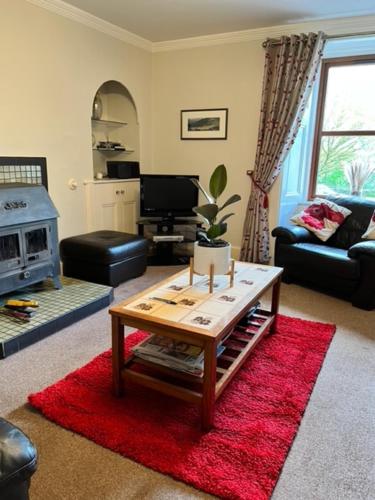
(343, 160)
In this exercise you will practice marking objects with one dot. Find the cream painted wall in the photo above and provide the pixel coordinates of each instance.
(51, 69)
(222, 76)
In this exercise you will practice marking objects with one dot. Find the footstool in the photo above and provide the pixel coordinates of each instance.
(105, 257)
(18, 461)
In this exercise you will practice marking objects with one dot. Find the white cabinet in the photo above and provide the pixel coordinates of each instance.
(112, 205)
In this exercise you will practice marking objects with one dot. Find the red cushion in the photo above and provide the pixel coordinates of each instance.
(322, 218)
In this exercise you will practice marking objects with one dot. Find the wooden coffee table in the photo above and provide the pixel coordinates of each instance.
(199, 318)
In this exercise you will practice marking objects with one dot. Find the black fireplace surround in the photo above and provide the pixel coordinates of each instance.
(28, 237)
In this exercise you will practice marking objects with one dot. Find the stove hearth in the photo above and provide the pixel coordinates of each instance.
(28, 237)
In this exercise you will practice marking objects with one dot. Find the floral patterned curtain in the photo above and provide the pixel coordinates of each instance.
(289, 72)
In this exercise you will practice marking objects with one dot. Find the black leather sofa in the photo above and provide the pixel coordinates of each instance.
(344, 264)
(18, 462)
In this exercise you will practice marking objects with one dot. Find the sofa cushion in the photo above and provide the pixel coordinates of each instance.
(321, 259)
(354, 226)
(370, 231)
(322, 217)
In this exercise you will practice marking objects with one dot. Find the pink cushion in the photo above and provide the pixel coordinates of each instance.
(322, 218)
(370, 231)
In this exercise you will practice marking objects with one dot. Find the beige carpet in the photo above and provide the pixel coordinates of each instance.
(332, 457)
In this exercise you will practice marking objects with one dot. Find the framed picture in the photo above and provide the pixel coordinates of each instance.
(204, 123)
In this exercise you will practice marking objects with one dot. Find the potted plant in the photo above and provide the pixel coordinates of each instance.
(210, 248)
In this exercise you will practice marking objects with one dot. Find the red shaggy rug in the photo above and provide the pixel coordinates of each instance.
(256, 418)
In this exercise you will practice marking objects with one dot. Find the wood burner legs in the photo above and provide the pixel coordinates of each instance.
(57, 282)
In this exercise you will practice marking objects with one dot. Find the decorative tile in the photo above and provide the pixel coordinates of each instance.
(188, 301)
(171, 313)
(228, 296)
(240, 267)
(176, 287)
(162, 294)
(220, 283)
(201, 320)
(144, 306)
(214, 307)
(244, 281)
(200, 293)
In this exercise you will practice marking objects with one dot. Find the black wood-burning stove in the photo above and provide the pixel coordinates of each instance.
(28, 237)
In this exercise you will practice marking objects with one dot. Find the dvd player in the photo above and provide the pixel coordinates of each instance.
(168, 237)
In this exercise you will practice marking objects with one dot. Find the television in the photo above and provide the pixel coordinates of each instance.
(168, 196)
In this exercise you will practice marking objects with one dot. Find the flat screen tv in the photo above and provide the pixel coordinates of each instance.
(168, 196)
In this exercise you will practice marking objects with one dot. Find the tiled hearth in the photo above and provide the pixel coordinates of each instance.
(57, 309)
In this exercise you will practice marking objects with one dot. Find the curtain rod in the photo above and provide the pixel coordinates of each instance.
(275, 42)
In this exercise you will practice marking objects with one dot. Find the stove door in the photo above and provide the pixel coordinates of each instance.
(10, 250)
(37, 243)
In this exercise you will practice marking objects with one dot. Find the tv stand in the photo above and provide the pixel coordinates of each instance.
(169, 252)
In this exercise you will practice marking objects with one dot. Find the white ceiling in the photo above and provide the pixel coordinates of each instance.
(162, 20)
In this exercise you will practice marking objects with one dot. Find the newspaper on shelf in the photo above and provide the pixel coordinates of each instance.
(173, 354)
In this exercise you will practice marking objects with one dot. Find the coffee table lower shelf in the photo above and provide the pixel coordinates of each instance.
(238, 346)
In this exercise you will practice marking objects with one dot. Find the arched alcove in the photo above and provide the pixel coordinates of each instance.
(115, 128)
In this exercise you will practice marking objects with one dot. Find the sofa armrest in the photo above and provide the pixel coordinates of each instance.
(362, 248)
(293, 234)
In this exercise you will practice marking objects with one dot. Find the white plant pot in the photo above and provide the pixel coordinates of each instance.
(205, 256)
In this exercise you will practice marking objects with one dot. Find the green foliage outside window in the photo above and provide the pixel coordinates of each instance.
(349, 106)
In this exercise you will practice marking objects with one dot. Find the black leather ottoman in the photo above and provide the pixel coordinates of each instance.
(18, 461)
(105, 257)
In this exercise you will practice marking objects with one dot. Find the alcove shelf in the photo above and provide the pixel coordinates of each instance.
(114, 120)
(114, 150)
(108, 123)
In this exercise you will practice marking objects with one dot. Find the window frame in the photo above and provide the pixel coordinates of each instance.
(322, 94)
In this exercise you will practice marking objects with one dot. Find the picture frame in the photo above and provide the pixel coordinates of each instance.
(204, 124)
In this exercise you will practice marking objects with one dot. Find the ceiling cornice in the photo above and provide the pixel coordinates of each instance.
(359, 24)
(66, 10)
(339, 26)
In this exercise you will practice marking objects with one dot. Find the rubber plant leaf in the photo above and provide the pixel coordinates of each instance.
(201, 188)
(217, 230)
(225, 217)
(218, 181)
(209, 211)
(232, 199)
(202, 235)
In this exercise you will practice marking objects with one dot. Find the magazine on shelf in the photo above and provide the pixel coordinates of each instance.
(173, 354)
(249, 316)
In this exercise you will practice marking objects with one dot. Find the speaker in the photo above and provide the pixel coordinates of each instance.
(123, 169)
